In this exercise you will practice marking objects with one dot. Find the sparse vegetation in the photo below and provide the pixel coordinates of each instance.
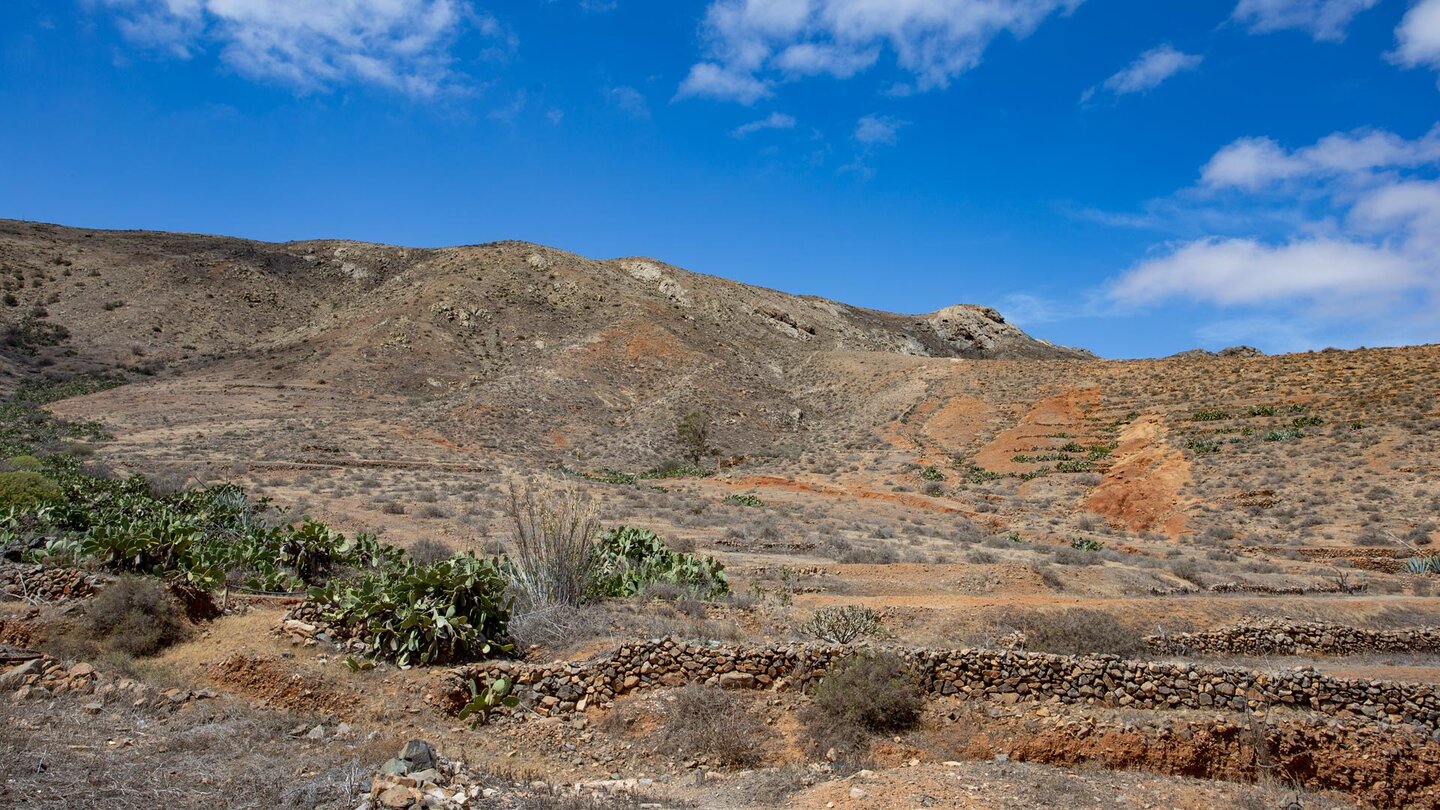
(864, 694)
(842, 625)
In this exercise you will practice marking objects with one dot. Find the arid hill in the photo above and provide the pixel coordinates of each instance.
(1211, 522)
(538, 341)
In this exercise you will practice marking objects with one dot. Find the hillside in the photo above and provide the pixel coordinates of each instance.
(1235, 532)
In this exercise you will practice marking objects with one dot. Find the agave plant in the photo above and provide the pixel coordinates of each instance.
(1424, 564)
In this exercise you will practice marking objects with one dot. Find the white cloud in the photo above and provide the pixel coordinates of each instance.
(773, 121)
(403, 45)
(874, 130)
(1252, 163)
(629, 100)
(710, 80)
(1148, 71)
(1418, 36)
(1247, 271)
(1324, 20)
(1341, 237)
(750, 44)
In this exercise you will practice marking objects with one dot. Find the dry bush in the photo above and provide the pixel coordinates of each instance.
(707, 721)
(135, 616)
(430, 551)
(863, 695)
(556, 545)
(1076, 631)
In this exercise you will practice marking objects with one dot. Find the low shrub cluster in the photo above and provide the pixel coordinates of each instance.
(630, 559)
(446, 611)
(708, 722)
(212, 537)
(23, 489)
(135, 616)
(863, 695)
(842, 625)
(1076, 631)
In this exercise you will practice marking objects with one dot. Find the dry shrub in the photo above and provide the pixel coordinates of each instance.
(135, 616)
(1076, 631)
(706, 721)
(429, 551)
(555, 544)
(863, 695)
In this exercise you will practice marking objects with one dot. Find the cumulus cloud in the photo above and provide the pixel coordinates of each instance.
(877, 130)
(403, 45)
(1325, 20)
(1148, 71)
(1253, 163)
(752, 44)
(772, 121)
(1344, 232)
(1418, 36)
(1247, 271)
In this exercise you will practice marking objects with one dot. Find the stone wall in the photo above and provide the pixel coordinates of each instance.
(39, 583)
(1297, 638)
(1003, 676)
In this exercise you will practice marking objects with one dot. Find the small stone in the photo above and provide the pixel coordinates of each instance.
(397, 797)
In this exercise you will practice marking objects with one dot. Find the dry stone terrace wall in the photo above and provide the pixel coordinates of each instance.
(1290, 638)
(1003, 676)
(39, 583)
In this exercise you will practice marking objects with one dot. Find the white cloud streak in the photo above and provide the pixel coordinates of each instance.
(1324, 20)
(314, 45)
(1147, 72)
(772, 121)
(753, 44)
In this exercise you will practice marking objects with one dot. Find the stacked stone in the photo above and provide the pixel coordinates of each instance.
(46, 583)
(42, 677)
(419, 778)
(1269, 637)
(1002, 676)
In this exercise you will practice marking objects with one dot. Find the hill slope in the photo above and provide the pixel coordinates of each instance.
(494, 330)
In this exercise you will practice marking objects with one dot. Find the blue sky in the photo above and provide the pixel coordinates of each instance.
(1130, 176)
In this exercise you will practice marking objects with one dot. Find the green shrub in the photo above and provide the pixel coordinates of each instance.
(1210, 415)
(1284, 435)
(25, 488)
(745, 499)
(629, 559)
(135, 616)
(453, 610)
(863, 694)
(1087, 544)
(932, 474)
(1202, 447)
(23, 462)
